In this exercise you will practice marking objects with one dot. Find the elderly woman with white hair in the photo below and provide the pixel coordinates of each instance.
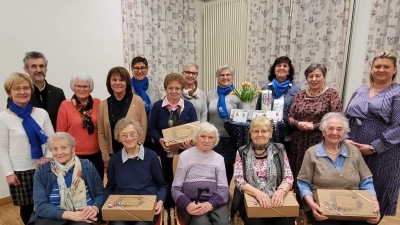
(78, 117)
(192, 92)
(220, 102)
(324, 164)
(202, 169)
(66, 190)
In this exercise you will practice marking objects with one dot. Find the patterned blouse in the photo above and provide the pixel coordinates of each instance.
(260, 168)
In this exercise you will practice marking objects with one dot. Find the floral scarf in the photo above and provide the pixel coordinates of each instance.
(85, 110)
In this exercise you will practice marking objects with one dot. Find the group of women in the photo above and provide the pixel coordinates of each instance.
(124, 133)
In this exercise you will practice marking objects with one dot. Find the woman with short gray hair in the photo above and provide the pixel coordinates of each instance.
(78, 117)
(199, 168)
(192, 92)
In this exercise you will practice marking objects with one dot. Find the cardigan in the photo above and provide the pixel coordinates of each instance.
(152, 91)
(43, 185)
(136, 111)
(15, 149)
(159, 120)
(69, 120)
(200, 104)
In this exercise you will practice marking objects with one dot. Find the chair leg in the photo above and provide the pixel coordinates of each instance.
(173, 216)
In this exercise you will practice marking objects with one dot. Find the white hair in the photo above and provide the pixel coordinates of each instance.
(83, 77)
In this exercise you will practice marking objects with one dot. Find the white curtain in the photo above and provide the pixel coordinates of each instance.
(384, 33)
(162, 31)
(305, 31)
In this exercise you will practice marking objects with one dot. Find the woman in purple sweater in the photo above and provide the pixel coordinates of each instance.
(201, 168)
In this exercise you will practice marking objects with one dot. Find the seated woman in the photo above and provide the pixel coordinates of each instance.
(199, 168)
(262, 170)
(323, 165)
(134, 158)
(57, 202)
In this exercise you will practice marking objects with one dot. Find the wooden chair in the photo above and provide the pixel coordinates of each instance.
(178, 220)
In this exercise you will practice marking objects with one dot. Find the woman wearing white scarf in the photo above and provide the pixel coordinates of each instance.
(192, 92)
(66, 190)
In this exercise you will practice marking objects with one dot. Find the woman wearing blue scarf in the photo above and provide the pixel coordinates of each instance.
(283, 91)
(220, 102)
(23, 133)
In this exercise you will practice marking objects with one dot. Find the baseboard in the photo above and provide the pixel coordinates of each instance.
(5, 200)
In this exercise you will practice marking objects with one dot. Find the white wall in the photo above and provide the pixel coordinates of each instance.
(74, 35)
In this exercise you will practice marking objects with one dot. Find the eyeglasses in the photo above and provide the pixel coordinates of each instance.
(139, 68)
(80, 87)
(18, 89)
(225, 75)
(171, 89)
(263, 132)
(125, 136)
(191, 73)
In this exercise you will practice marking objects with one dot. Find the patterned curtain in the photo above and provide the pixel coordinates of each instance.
(307, 31)
(384, 33)
(162, 31)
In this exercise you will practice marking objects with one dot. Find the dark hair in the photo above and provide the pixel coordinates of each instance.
(174, 77)
(282, 59)
(124, 74)
(139, 59)
(315, 66)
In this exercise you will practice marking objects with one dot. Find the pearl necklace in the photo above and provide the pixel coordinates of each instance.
(333, 153)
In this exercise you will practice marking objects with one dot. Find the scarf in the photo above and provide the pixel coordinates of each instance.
(74, 197)
(221, 105)
(85, 111)
(141, 88)
(266, 184)
(191, 93)
(34, 132)
(280, 89)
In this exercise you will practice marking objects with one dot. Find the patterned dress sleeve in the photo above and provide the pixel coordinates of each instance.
(288, 175)
(335, 105)
(238, 173)
(291, 120)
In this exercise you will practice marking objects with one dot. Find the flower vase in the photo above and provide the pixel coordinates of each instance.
(246, 106)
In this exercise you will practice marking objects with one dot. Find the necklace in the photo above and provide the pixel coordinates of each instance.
(317, 94)
(259, 154)
(333, 153)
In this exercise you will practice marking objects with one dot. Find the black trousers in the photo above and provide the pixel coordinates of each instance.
(97, 161)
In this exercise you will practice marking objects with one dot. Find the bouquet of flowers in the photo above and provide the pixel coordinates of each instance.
(248, 92)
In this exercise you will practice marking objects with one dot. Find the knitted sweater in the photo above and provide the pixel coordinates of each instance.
(197, 169)
(69, 120)
(153, 93)
(200, 104)
(232, 102)
(321, 175)
(136, 111)
(15, 149)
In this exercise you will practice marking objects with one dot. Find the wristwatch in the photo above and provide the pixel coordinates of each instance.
(283, 189)
(371, 149)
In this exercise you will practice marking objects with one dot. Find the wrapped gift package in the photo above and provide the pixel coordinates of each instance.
(129, 208)
(176, 135)
(290, 207)
(346, 204)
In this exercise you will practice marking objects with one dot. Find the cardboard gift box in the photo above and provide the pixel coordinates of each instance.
(176, 135)
(346, 204)
(290, 207)
(129, 208)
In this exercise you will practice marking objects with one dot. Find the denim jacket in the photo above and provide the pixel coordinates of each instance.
(288, 98)
(43, 185)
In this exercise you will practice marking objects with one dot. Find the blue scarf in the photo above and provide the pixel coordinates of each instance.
(280, 89)
(221, 105)
(35, 134)
(141, 88)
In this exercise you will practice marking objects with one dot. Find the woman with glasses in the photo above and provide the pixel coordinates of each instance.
(220, 102)
(169, 112)
(134, 158)
(262, 170)
(192, 93)
(122, 103)
(307, 109)
(142, 86)
(23, 132)
(78, 117)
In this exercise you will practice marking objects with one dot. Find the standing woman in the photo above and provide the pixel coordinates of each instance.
(283, 89)
(122, 103)
(170, 112)
(306, 112)
(23, 133)
(374, 114)
(220, 102)
(192, 93)
(78, 117)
